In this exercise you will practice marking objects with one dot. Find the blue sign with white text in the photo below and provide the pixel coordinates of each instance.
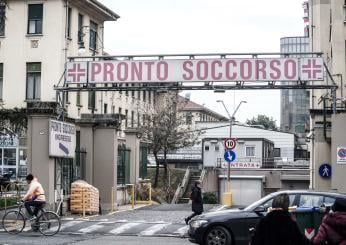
(229, 156)
(325, 170)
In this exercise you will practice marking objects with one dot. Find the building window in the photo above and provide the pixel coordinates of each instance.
(149, 95)
(132, 119)
(113, 109)
(206, 148)
(217, 147)
(277, 152)
(93, 36)
(69, 13)
(138, 120)
(92, 99)
(126, 117)
(105, 108)
(144, 96)
(1, 78)
(249, 151)
(80, 26)
(2, 18)
(188, 118)
(33, 81)
(35, 14)
(78, 97)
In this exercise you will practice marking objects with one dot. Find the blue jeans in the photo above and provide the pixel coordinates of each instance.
(37, 206)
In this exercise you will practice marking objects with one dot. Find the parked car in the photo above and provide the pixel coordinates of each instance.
(232, 226)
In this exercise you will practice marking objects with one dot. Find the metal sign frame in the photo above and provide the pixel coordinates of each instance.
(216, 86)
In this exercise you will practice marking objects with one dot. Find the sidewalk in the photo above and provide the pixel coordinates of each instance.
(69, 216)
(122, 208)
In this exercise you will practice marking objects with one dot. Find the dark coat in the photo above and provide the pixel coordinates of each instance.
(197, 201)
(278, 228)
(332, 229)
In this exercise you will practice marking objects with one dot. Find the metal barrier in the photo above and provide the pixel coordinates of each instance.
(12, 191)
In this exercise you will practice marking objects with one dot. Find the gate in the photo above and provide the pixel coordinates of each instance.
(143, 160)
(123, 165)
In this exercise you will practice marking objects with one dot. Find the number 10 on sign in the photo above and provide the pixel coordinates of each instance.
(230, 143)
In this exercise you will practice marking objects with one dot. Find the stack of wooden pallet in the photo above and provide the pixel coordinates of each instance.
(82, 192)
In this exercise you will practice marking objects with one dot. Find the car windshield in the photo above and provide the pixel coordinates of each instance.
(258, 202)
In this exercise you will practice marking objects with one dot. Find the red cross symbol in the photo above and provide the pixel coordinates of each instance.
(76, 72)
(312, 69)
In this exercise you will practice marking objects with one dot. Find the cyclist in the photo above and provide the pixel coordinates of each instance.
(34, 197)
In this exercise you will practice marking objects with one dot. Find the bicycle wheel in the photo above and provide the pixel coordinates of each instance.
(13, 222)
(48, 223)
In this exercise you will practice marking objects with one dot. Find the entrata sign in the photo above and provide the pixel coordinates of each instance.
(195, 70)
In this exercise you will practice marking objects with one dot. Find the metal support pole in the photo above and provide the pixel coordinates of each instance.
(334, 100)
(112, 200)
(133, 196)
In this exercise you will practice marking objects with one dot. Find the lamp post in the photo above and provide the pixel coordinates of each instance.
(231, 119)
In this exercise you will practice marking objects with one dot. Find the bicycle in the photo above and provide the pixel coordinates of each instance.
(47, 222)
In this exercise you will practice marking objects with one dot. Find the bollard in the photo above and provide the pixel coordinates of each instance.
(150, 202)
(83, 204)
(133, 196)
(112, 200)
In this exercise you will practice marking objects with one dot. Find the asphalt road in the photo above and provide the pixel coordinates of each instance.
(89, 239)
(157, 224)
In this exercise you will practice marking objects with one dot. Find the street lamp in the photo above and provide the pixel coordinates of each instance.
(231, 119)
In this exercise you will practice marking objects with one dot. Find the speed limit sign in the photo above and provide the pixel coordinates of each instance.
(230, 143)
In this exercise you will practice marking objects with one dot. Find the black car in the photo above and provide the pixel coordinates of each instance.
(232, 226)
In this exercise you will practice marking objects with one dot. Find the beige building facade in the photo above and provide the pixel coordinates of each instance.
(327, 33)
(37, 37)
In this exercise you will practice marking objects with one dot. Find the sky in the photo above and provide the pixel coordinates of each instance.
(207, 26)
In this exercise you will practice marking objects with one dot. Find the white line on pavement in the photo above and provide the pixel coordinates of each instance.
(70, 223)
(153, 229)
(123, 228)
(91, 228)
(182, 230)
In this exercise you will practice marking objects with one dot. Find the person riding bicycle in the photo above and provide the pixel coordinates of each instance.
(34, 197)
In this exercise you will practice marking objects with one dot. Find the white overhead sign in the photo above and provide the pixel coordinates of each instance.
(195, 70)
(62, 139)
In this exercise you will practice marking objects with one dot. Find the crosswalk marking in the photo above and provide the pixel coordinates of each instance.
(70, 224)
(182, 230)
(153, 229)
(123, 228)
(91, 228)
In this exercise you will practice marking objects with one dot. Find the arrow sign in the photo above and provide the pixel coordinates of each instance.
(229, 156)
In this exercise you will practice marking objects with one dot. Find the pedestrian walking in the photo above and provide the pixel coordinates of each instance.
(278, 227)
(197, 201)
(333, 227)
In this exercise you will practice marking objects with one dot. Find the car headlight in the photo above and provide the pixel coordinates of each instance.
(197, 223)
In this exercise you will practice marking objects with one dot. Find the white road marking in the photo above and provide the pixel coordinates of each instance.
(182, 230)
(123, 228)
(91, 228)
(69, 224)
(153, 229)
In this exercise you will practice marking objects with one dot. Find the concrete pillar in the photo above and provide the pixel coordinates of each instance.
(98, 136)
(86, 142)
(105, 164)
(321, 156)
(338, 140)
(38, 161)
(133, 140)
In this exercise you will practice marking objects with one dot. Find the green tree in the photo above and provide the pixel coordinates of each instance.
(166, 131)
(265, 121)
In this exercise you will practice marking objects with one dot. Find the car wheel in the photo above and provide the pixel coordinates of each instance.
(218, 235)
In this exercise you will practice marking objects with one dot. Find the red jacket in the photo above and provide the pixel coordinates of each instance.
(332, 229)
